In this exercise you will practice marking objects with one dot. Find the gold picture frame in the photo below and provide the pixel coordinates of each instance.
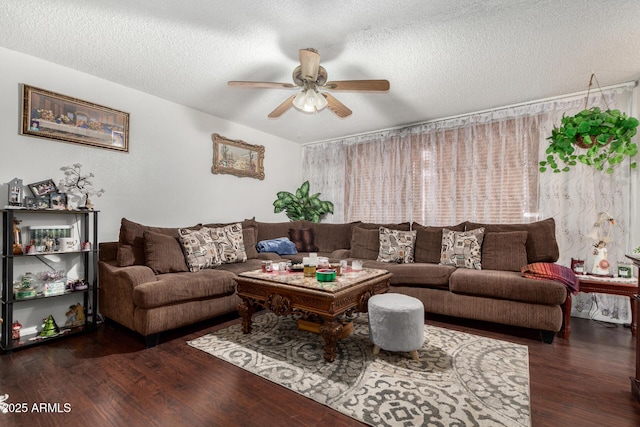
(50, 115)
(236, 157)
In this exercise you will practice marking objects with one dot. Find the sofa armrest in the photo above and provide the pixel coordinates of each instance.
(116, 290)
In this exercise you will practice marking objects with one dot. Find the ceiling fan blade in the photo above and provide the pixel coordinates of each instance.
(309, 63)
(371, 85)
(280, 109)
(263, 85)
(337, 107)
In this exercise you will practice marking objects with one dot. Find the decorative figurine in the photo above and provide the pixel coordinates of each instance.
(49, 329)
(24, 289)
(600, 263)
(17, 237)
(15, 192)
(48, 244)
(75, 316)
(79, 185)
(15, 330)
(601, 233)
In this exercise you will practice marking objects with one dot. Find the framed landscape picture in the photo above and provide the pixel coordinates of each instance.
(59, 117)
(235, 157)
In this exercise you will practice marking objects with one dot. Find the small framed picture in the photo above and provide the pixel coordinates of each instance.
(43, 202)
(43, 188)
(58, 201)
(30, 202)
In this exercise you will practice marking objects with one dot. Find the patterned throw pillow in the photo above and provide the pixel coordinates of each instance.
(199, 249)
(396, 245)
(462, 248)
(229, 243)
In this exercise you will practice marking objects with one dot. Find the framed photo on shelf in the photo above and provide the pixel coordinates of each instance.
(236, 157)
(43, 188)
(30, 203)
(58, 201)
(51, 115)
(43, 202)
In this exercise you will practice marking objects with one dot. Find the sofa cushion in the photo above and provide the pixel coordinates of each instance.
(273, 230)
(175, 288)
(396, 245)
(462, 248)
(229, 243)
(429, 241)
(504, 251)
(541, 238)
(163, 254)
(507, 285)
(249, 235)
(331, 237)
(241, 267)
(199, 250)
(404, 226)
(365, 243)
(250, 242)
(304, 239)
(131, 241)
(415, 274)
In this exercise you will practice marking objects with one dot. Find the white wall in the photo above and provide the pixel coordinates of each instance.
(634, 226)
(166, 178)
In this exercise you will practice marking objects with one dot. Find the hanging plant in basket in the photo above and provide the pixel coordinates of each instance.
(601, 139)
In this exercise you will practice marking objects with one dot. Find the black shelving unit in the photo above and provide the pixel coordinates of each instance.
(89, 232)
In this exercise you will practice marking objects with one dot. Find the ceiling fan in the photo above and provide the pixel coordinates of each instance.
(310, 76)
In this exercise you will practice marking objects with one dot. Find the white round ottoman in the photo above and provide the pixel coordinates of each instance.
(396, 323)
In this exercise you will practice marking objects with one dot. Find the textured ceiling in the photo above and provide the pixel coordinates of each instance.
(442, 57)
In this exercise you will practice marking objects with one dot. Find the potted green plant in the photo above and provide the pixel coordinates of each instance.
(601, 139)
(301, 205)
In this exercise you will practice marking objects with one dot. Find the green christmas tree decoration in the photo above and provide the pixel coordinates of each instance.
(50, 329)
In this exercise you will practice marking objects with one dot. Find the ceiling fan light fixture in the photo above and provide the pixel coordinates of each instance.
(309, 101)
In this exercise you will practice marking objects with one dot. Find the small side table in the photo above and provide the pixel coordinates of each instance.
(635, 382)
(603, 285)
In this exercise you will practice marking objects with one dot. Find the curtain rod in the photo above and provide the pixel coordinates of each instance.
(632, 83)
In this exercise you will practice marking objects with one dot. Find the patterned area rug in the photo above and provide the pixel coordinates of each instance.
(460, 379)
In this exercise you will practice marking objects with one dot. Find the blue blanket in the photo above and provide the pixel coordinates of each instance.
(281, 246)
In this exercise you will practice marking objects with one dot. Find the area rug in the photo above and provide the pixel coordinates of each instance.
(460, 379)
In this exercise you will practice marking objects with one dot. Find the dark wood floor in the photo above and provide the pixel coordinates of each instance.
(108, 378)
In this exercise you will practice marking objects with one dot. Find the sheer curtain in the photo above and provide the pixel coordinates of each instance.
(575, 198)
(483, 167)
(480, 168)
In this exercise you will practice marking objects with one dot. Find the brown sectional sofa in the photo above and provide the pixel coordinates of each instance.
(145, 284)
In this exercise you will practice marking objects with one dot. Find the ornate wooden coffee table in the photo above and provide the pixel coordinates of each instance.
(287, 293)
